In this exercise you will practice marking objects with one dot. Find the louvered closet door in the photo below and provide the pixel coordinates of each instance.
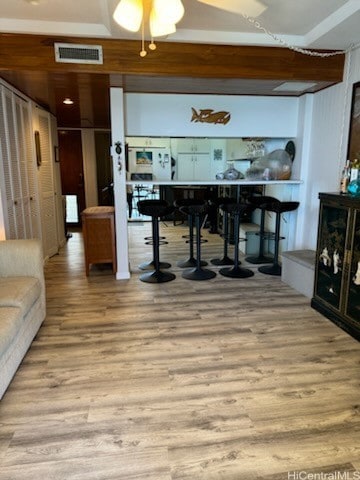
(30, 173)
(9, 187)
(46, 178)
(15, 171)
(24, 199)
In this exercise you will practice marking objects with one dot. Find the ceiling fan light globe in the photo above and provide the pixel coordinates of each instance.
(158, 28)
(128, 14)
(169, 11)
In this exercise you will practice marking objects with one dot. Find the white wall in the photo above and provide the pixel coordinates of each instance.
(322, 138)
(170, 115)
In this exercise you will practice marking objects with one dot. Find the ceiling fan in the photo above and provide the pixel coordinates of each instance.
(163, 15)
(251, 8)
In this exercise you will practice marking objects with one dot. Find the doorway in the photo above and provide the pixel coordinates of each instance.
(104, 170)
(72, 174)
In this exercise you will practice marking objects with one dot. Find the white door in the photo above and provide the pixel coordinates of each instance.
(46, 180)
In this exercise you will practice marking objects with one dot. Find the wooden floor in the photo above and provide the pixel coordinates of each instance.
(217, 380)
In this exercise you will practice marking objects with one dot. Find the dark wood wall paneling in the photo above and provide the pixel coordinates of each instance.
(28, 62)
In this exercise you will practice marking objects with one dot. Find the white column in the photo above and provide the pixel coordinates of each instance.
(119, 168)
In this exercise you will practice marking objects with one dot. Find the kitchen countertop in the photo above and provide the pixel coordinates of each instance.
(214, 182)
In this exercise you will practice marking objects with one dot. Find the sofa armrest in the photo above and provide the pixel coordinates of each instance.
(22, 258)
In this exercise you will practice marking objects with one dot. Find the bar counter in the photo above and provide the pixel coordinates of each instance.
(214, 182)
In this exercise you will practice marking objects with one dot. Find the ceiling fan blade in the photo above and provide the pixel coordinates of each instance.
(252, 8)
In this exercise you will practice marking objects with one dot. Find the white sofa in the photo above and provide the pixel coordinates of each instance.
(22, 302)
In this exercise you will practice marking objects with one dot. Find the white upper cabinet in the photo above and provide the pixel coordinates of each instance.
(148, 142)
(193, 145)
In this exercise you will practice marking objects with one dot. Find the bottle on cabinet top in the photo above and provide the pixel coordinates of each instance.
(354, 169)
(345, 177)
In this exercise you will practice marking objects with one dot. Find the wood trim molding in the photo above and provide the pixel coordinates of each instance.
(36, 52)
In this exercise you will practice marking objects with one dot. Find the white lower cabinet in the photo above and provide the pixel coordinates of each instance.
(193, 166)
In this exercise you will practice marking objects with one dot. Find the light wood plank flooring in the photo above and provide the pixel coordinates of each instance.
(218, 380)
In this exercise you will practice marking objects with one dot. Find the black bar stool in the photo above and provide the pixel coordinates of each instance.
(279, 208)
(225, 260)
(149, 241)
(262, 202)
(197, 273)
(155, 209)
(187, 202)
(236, 210)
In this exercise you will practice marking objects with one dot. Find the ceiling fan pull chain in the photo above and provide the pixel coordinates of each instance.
(143, 52)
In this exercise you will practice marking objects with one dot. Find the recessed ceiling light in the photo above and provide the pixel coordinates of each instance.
(33, 2)
(68, 101)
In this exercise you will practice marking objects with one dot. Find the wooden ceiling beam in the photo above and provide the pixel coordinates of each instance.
(36, 53)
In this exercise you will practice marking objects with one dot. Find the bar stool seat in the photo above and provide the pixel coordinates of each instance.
(197, 273)
(155, 209)
(279, 208)
(262, 202)
(236, 210)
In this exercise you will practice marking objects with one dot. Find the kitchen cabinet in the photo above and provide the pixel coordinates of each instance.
(193, 145)
(193, 166)
(193, 162)
(337, 268)
(237, 148)
(148, 142)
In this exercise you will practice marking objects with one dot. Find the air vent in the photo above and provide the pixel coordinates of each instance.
(75, 53)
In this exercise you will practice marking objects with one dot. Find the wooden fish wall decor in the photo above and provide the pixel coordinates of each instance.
(209, 116)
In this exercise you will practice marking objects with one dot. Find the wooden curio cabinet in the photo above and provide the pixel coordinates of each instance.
(337, 268)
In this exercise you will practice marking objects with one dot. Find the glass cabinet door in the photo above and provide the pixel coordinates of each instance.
(331, 249)
(353, 297)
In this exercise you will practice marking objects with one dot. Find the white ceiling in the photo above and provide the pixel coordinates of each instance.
(329, 24)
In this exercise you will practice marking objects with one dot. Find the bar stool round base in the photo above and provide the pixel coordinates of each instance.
(222, 261)
(198, 274)
(157, 277)
(151, 265)
(191, 262)
(259, 259)
(236, 272)
(271, 270)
